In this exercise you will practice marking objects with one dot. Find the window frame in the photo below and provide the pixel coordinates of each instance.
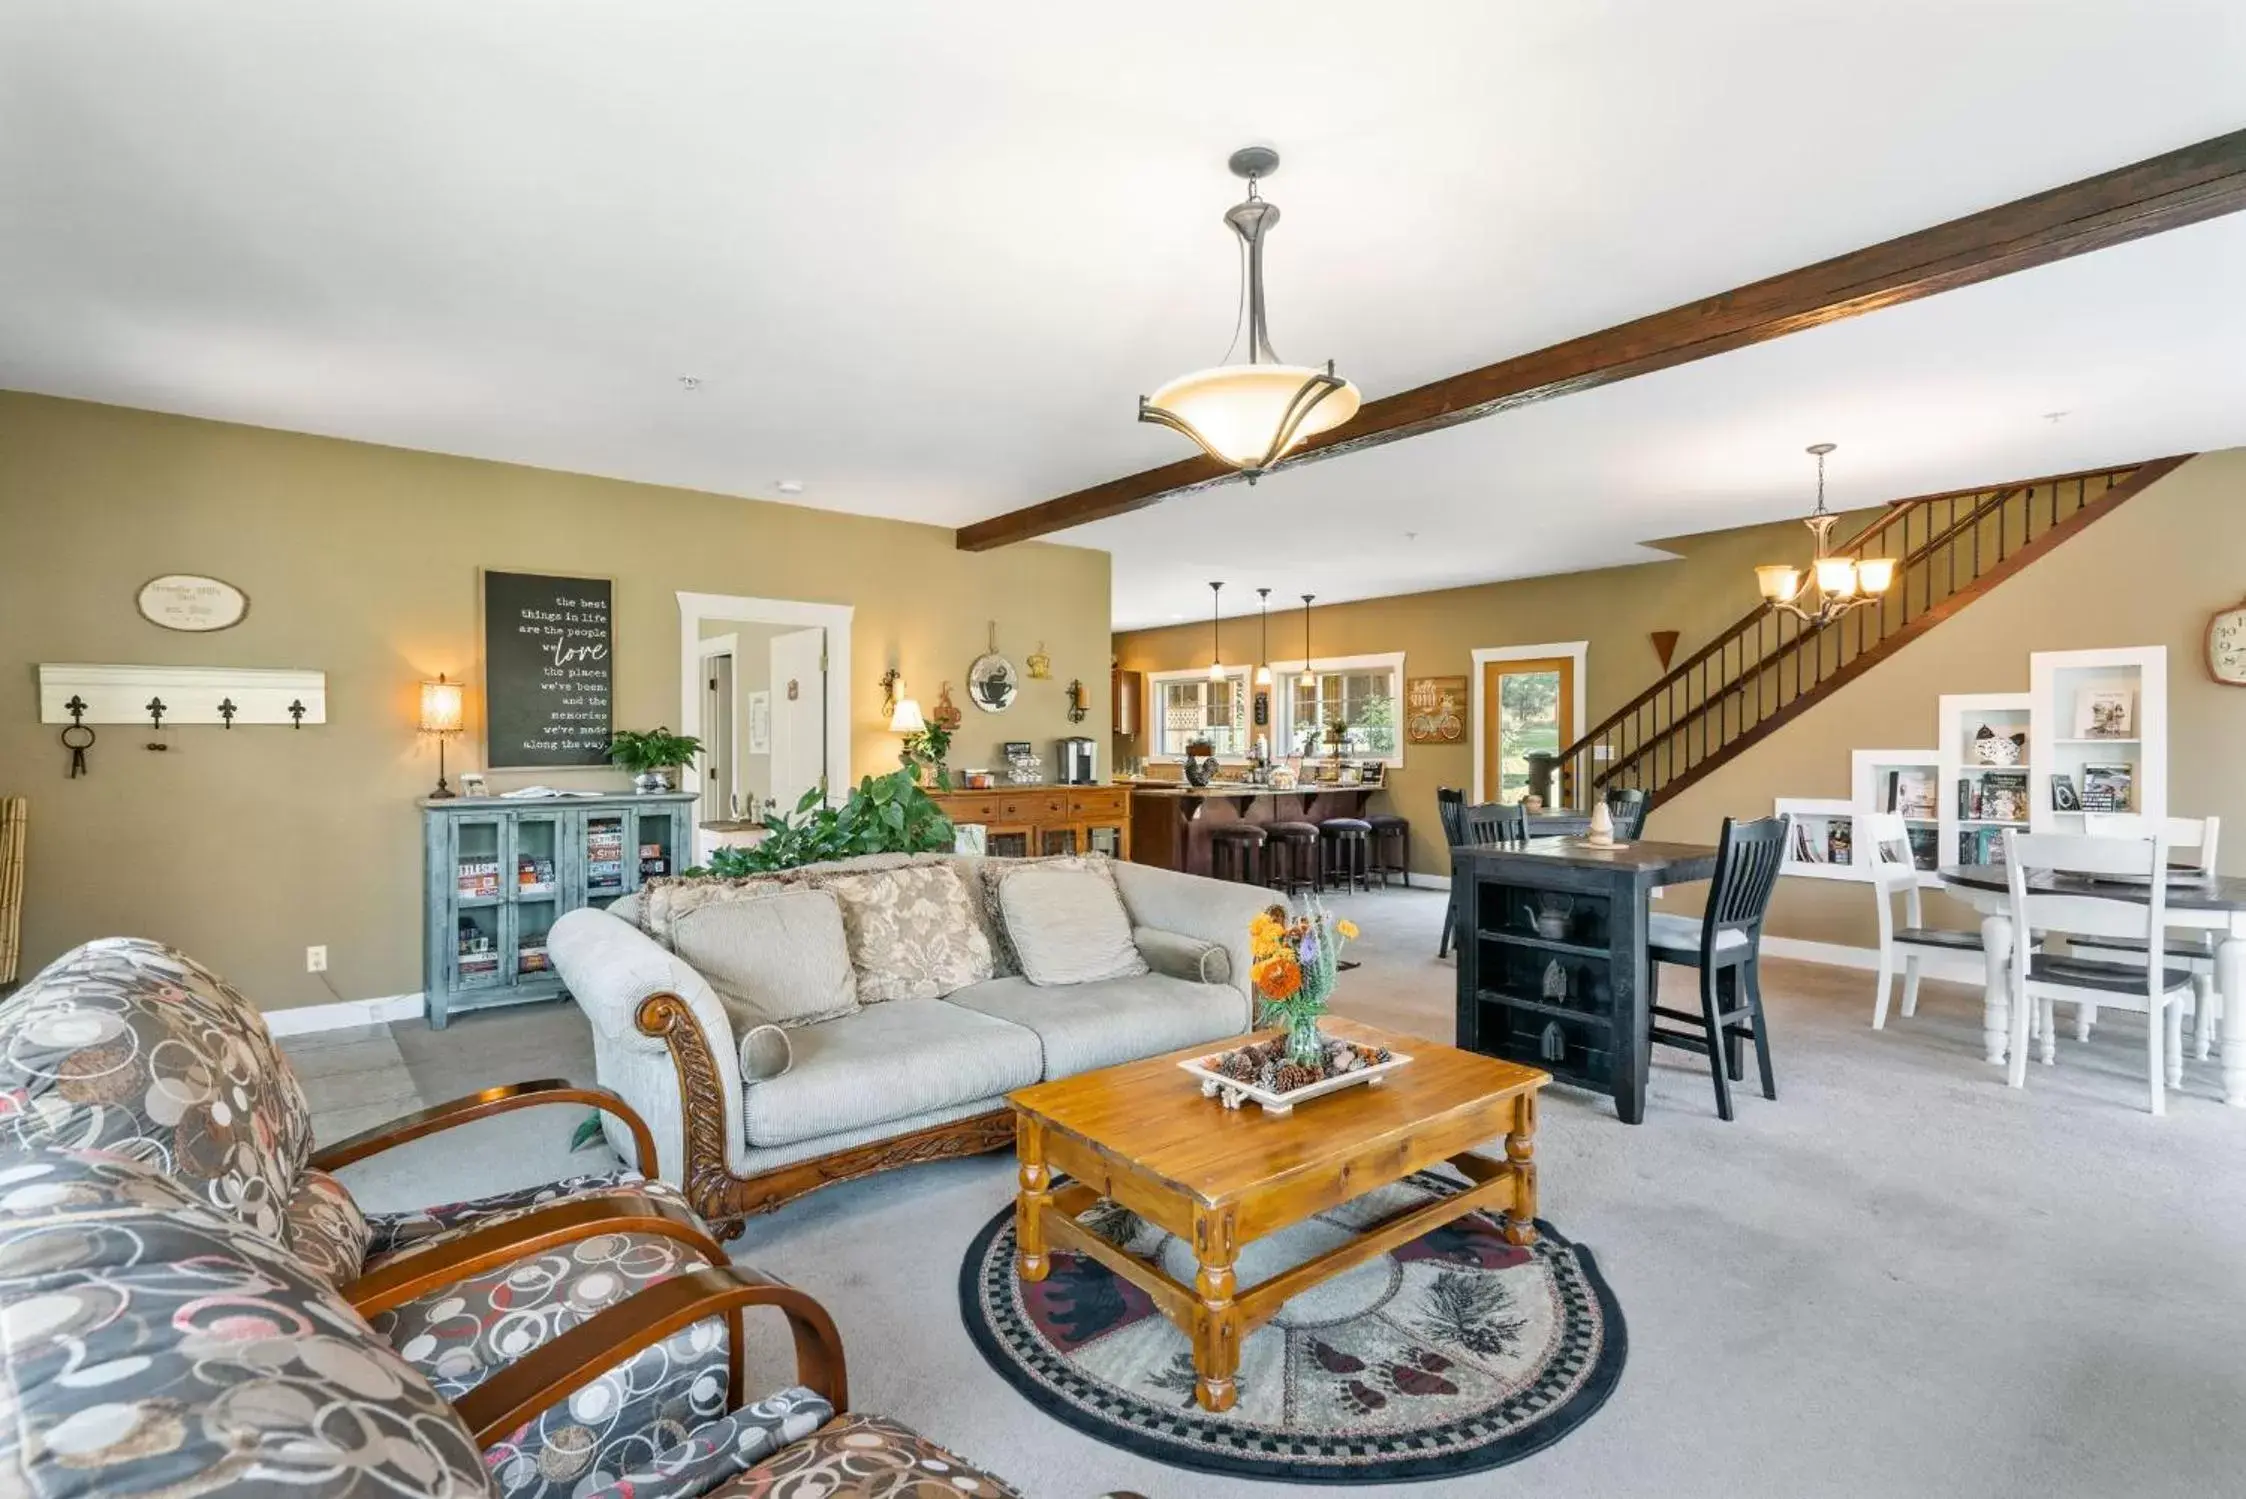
(1157, 681)
(1283, 733)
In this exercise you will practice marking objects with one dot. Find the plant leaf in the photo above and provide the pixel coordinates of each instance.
(588, 1131)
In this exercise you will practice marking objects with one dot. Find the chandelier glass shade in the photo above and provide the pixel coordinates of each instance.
(1833, 584)
(1251, 414)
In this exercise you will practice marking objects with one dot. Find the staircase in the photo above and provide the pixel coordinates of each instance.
(1770, 666)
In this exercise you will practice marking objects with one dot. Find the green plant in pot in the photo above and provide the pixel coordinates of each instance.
(883, 815)
(648, 753)
(927, 749)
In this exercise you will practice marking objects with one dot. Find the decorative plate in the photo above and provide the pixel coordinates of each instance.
(992, 683)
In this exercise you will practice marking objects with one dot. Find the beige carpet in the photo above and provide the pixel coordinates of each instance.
(1901, 1278)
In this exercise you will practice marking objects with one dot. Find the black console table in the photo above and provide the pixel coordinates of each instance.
(1552, 967)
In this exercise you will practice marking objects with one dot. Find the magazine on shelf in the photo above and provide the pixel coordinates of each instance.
(1910, 793)
(1839, 835)
(2001, 796)
(1808, 849)
(2105, 788)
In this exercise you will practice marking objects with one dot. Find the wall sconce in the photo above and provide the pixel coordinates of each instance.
(904, 712)
(444, 714)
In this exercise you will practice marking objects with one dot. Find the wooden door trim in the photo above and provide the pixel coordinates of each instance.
(1578, 652)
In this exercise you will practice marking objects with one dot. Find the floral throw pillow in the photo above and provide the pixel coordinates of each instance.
(912, 932)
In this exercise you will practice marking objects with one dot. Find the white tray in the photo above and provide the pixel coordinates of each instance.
(1215, 1084)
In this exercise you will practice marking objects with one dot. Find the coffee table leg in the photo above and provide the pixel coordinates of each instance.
(1217, 1326)
(1029, 1205)
(1520, 1152)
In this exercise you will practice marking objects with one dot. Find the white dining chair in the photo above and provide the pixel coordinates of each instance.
(1887, 838)
(2082, 909)
(2194, 949)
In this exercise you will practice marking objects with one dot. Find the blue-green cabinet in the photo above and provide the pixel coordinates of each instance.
(498, 874)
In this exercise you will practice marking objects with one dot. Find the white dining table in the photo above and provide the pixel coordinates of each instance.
(2203, 903)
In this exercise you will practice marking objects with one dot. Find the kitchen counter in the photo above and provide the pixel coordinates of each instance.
(1172, 823)
(1231, 788)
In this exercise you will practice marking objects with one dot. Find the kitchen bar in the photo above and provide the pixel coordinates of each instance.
(1171, 824)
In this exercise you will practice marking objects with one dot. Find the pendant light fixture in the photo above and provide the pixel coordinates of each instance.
(1251, 415)
(1216, 649)
(1835, 585)
(1309, 677)
(1263, 661)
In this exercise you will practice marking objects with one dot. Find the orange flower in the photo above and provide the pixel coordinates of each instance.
(1279, 978)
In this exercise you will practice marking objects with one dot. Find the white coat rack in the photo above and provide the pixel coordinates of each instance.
(228, 696)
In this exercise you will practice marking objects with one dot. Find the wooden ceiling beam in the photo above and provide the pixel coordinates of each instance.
(2199, 182)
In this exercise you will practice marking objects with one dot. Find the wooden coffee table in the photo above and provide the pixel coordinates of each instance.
(1143, 1136)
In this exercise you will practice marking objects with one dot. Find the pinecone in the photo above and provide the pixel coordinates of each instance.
(1267, 1077)
(1238, 1066)
(1293, 1075)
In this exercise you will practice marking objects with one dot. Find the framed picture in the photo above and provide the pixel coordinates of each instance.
(760, 723)
(2064, 797)
(2105, 713)
(1435, 710)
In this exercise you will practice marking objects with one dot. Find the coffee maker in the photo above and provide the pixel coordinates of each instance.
(1076, 762)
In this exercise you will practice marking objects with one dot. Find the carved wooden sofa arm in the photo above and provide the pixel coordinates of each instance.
(537, 1381)
(484, 1105)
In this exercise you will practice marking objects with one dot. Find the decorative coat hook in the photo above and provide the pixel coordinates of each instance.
(297, 711)
(227, 710)
(156, 711)
(77, 746)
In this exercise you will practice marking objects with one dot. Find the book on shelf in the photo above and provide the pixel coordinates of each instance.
(1809, 848)
(533, 873)
(1999, 796)
(1839, 838)
(532, 960)
(1910, 792)
(2106, 788)
(1925, 846)
(1980, 846)
(479, 877)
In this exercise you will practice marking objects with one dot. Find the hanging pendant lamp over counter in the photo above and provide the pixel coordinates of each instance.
(1216, 648)
(1263, 659)
(1251, 415)
(1309, 677)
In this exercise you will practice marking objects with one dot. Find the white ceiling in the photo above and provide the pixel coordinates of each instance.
(923, 258)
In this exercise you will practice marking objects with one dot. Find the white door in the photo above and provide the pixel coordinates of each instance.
(799, 714)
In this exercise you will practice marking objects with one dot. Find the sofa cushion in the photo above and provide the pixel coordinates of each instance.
(865, 1457)
(766, 1052)
(986, 880)
(1183, 957)
(778, 960)
(1068, 926)
(912, 932)
(1121, 1020)
(123, 1044)
(156, 1346)
(888, 1062)
(323, 1227)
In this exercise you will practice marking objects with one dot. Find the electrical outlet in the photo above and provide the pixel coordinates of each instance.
(315, 960)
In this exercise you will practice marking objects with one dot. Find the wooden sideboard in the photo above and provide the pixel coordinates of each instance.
(1020, 821)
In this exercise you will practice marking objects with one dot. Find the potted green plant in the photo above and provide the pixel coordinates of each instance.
(648, 753)
(928, 749)
(884, 815)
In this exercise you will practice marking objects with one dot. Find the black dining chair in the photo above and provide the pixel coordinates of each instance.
(1628, 806)
(1450, 806)
(1725, 944)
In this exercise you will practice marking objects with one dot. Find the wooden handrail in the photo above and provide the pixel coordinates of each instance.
(1714, 698)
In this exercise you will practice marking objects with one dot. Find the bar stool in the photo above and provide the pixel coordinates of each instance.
(1392, 848)
(1348, 849)
(1236, 853)
(1290, 857)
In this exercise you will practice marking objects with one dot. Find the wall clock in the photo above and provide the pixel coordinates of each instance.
(2226, 646)
(182, 601)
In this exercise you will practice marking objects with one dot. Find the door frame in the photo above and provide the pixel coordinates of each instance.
(728, 646)
(1580, 650)
(693, 608)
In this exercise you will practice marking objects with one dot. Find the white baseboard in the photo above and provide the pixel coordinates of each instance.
(342, 1015)
(1963, 968)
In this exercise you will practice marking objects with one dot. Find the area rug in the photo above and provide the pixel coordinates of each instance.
(1453, 1353)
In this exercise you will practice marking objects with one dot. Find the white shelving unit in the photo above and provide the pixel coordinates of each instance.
(2075, 694)
(1908, 781)
(1816, 819)
(1973, 786)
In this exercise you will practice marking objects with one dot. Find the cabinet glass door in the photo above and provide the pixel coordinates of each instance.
(538, 848)
(479, 900)
(1056, 841)
(1006, 843)
(604, 854)
(653, 853)
(1104, 840)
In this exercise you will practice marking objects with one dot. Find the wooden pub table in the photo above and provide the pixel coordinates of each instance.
(1143, 1136)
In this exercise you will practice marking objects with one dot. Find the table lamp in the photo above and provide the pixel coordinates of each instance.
(443, 709)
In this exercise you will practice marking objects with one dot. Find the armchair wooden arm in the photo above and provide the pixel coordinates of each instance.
(484, 1105)
(533, 1383)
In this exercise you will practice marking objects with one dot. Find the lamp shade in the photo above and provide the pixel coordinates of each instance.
(443, 707)
(1263, 676)
(1874, 574)
(1836, 576)
(907, 719)
(1237, 409)
(1778, 583)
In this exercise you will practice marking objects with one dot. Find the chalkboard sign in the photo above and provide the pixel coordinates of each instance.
(549, 652)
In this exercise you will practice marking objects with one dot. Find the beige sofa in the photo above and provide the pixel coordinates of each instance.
(743, 1129)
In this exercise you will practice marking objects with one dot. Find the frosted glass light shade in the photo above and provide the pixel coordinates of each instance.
(1874, 574)
(443, 707)
(1836, 576)
(1263, 676)
(907, 718)
(1779, 584)
(1216, 671)
(1238, 408)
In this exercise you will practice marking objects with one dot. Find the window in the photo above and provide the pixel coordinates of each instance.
(1360, 692)
(1193, 707)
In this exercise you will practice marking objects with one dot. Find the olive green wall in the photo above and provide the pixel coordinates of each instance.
(244, 848)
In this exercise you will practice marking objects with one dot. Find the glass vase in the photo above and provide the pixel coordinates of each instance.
(1305, 1046)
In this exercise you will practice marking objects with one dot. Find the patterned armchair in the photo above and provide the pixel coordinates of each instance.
(126, 1046)
(156, 1344)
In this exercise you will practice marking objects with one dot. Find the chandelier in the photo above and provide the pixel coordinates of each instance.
(1251, 415)
(1835, 585)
